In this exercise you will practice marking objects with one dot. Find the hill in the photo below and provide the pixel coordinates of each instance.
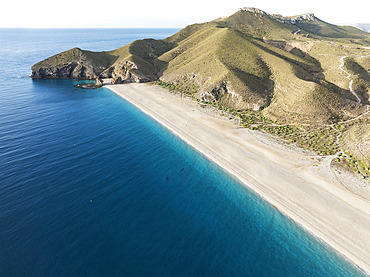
(73, 64)
(289, 71)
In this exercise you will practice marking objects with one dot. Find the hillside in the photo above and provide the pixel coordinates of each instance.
(73, 64)
(289, 71)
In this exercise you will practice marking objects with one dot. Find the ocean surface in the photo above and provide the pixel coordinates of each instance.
(91, 186)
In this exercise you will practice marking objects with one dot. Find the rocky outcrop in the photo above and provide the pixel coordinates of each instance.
(282, 19)
(294, 19)
(72, 64)
(304, 46)
(126, 72)
(82, 68)
(71, 70)
(215, 94)
(307, 16)
(99, 82)
(135, 62)
(253, 10)
(117, 80)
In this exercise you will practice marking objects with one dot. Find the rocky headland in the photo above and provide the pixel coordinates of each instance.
(297, 77)
(247, 61)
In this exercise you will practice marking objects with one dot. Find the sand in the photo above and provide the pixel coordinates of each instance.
(298, 183)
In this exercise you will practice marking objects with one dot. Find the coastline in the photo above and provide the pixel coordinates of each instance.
(299, 185)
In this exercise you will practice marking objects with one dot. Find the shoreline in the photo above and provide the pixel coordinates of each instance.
(301, 186)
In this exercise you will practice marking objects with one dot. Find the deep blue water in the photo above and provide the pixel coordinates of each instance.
(91, 186)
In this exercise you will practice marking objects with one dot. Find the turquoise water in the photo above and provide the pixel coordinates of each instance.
(91, 186)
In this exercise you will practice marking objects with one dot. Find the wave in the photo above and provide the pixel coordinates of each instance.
(23, 76)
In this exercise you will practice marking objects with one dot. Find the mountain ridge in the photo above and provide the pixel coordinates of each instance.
(297, 70)
(239, 61)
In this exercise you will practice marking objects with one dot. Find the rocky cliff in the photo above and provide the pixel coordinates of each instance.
(73, 64)
(71, 70)
(135, 62)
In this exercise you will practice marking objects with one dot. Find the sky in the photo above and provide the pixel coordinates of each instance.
(163, 13)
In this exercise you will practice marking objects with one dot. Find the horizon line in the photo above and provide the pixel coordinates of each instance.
(143, 27)
(93, 27)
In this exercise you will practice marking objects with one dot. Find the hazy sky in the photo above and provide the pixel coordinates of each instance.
(164, 13)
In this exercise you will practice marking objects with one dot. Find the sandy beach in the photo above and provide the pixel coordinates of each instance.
(300, 184)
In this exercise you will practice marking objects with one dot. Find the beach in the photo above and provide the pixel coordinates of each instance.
(300, 184)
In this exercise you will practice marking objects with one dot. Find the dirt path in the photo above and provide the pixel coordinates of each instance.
(348, 77)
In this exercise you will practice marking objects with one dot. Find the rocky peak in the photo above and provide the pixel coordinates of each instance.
(294, 19)
(253, 10)
(307, 16)
(280, 18)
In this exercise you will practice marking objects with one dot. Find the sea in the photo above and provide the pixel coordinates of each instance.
(92, 186)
